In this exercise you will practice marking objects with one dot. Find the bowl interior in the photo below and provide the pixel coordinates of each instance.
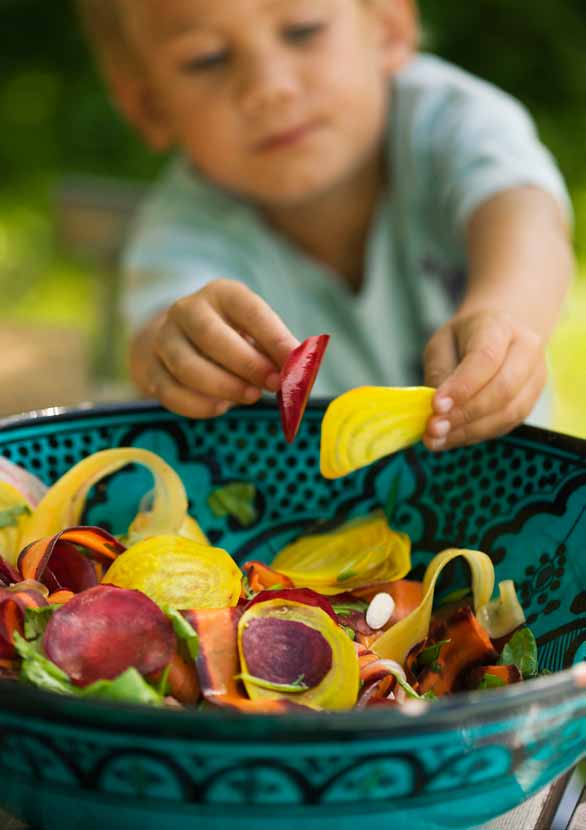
(521, 499)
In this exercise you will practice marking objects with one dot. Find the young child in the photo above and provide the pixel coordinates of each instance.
(332, 179)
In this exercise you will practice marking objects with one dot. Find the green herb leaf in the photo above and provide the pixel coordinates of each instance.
(429, 695)
(184, 630)
(349, 631)
(521, 651)
(344, 576)
(343, 609)
(236, 500)
(287, 688)
(429, 655)
(491, 681)
(9, 516)
(39, 670)
(128, 687)
(36, 619)
(454, 596)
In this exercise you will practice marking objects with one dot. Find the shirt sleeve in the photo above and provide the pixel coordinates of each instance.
(483, 142)
(176, 247)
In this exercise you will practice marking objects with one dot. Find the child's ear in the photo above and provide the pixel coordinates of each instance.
(399, 32)
(136, 102)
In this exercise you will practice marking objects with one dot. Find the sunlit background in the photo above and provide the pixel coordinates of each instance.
(71, 174)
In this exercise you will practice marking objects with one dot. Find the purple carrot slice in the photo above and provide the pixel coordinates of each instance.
(297, 378)
(106, 630)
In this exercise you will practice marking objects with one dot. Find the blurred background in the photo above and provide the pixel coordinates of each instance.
(71, 175)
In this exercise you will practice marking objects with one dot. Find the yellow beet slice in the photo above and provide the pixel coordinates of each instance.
(178, 572)
(369, 422)
(397, 642)
(280, 640)
(14, 512)
(361, 552)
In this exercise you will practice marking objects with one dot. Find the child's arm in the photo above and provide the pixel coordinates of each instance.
(211, 350)
(488, 361)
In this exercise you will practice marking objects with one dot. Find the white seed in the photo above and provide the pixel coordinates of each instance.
(380, 610)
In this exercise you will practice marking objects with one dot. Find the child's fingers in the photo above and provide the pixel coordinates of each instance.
(491, 426)
(210, 334)
(483, 349)
(251, 314)
(180, 399)
(193, 371)
(440, 357)
(521, 362)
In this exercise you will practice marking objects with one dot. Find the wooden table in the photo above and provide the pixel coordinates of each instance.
(562, 806)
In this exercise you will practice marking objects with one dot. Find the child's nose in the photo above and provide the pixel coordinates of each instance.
(267, 80)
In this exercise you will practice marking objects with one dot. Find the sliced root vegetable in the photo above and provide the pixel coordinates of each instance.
(370, 422)
(64, 503)
(181, 679)
(29, 486)
(178, 572)
(466, 644)
(397, 642)
(104, 631)
(14, 512)
(294, 647)
(218, 665)
(303, 595)
(57, 563)
(297, 378)
(362, 551)
(13, 605)
(504, 614)
(60, 597)
(8, 574)
(492, 676)
(260, 576)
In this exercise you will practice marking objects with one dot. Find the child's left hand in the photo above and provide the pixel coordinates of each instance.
(489, 371)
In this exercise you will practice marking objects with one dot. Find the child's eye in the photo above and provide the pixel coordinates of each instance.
(303, 32)
(205, 63)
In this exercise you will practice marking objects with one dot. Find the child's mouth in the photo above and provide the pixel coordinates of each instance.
(285, 139)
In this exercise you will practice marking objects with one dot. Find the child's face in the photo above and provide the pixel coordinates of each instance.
(277, 100)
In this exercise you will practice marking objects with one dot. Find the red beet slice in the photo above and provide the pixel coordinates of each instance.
(305, 595)
(105, 630)
(8, 574)
(297, 378)
(283, 651)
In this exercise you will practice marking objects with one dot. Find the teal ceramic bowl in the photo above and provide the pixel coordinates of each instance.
(455, 763)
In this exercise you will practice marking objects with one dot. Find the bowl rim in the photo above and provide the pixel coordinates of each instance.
(440, 714)
(58, 414)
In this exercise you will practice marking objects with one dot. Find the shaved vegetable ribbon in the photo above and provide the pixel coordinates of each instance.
(504, 614)
(369, 422)
(361, 552)
(63, 504)
(397, 642)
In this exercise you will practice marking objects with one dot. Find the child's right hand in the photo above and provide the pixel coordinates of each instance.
(211, 350)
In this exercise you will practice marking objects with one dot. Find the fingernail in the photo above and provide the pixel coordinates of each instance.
(273, 382)
(437, 444)
(444, 405)
(252, 394)
(223, 407)
(441, 428)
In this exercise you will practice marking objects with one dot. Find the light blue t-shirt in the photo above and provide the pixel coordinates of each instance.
(453, 141)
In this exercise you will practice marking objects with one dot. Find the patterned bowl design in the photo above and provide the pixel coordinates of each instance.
(452, 764)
